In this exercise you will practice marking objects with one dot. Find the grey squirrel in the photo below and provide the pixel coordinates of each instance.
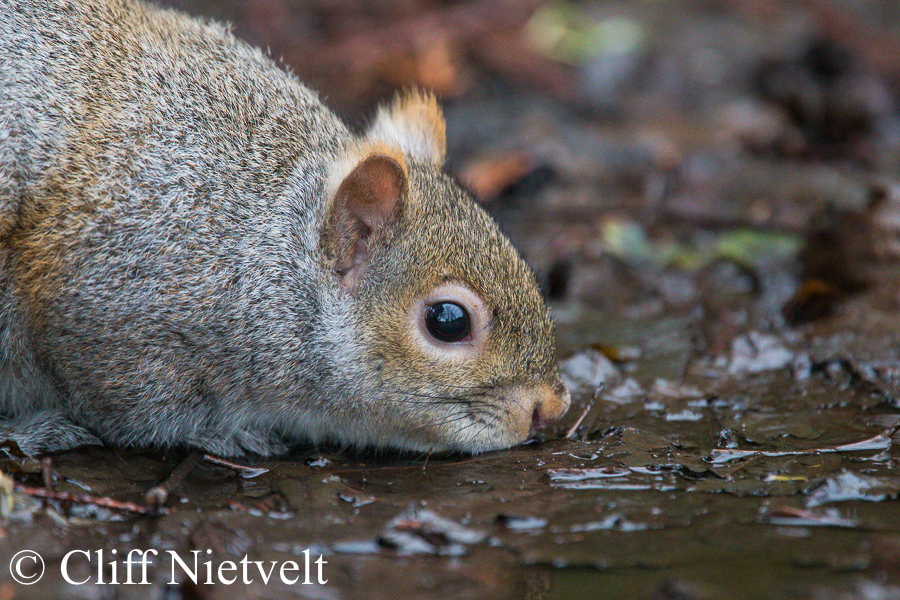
(195, 251)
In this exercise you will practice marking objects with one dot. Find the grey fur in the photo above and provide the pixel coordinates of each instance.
(163, 190)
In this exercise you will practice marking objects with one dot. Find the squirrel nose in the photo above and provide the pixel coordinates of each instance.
(549, 406)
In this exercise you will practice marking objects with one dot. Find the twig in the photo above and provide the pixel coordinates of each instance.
(47, 472)
(572, 431)
(101, 501)
(159, 494)
(244, 471)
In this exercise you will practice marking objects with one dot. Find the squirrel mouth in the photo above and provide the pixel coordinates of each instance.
(537, 420)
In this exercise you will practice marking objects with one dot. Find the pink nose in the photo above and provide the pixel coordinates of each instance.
(549, 407)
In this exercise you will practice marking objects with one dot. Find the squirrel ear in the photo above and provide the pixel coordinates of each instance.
(367, 200)
(414, 123)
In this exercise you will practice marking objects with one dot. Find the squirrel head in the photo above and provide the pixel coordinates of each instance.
(455, 338)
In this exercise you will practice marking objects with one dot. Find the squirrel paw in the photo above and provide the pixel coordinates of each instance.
(45, 432)
(240, 442)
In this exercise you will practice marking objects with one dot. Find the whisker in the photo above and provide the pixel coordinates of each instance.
(438, 399)
(424, 395)
(439, 423)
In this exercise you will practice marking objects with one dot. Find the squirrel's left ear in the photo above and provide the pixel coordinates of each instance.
(365, 203)
(414, 123)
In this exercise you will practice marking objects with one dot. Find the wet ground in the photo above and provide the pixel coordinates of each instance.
(708, 192)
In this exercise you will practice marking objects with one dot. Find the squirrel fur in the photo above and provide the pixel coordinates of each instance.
(195, 251)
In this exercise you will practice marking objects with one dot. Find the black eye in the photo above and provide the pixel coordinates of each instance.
(447, 321)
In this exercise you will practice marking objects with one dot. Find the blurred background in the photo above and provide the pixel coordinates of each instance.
(734, 160)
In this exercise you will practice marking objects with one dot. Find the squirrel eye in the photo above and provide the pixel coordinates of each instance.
(447, 321)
